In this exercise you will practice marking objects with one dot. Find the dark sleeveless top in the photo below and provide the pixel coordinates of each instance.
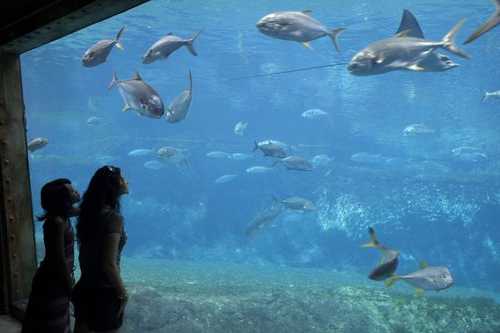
(50, 242)
(91, 255)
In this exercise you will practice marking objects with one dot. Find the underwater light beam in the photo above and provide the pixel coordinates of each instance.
(288, 71)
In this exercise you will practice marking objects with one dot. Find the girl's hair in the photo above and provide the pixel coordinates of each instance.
(56, 199)
(103, 192)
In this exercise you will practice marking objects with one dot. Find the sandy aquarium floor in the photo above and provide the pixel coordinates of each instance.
(176, 296)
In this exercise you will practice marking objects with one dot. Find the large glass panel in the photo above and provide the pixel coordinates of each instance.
(228, 232)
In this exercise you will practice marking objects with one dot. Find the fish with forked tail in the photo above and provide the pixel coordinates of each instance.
(492, 22)
(389, 262)
(296, 26)
(167, 45)
(401, 52)
(426, 278)
(99, 52)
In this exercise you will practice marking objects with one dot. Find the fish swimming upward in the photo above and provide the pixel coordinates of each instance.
(389, 262)
(492, 22)
(179, 107)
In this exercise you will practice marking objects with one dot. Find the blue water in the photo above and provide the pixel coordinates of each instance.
(422, 202)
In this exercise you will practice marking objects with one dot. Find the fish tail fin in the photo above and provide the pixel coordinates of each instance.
(190, 81)
(334, 34)
(114, 81)
(118, 44)
(190, 42)
(256, 146)
(492, 22)
(485, 97)
(448, 41)
(374, 243)
(391, 280)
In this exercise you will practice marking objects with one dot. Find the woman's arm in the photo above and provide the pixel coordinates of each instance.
(60, 254)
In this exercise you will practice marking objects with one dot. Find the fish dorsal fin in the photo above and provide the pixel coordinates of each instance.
(169, 34)
(137, 76)
(409, 22)
(308, 12)
(404, 33)
(423, 264)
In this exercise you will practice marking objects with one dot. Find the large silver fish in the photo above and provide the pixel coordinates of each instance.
(138, 96)
(296, 26)
(434, 62)
(168, 45)
(179, 107)
(264, 218)
(401, 53)
(492, 22)
(298, 203)
(98, 53)
(427, 278)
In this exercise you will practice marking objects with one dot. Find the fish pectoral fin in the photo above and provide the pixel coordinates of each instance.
(307, 45)
(423, 264)
(416, 68)
(126, 108)
(119, 46)
(391, 280)
(419, 292)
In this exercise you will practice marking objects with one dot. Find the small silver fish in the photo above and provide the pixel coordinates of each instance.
(314, 114)
(98, 53)
(179, 107)
(218, 154)
(259, 169)
(401, 53)
(295, 163)
(427, 278)
(167, 45)
(417, 129)
(140, 152)
(94, 121)
(174, 155)
(492, 22)
(469, 154)
(138, 96)
(225, 179)
(240, 156)
(493, 94)
(271, 148)
(240, 127)
(37, 143)
(296, 26)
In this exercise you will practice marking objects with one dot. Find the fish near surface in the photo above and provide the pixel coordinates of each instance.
(389, 262)
(295, 163)
(296, 26)
(426, 278)
(434, 62)
(167, 45)
(492, 22)
(37, 143)
(99, 52)
(401, 53)
(138, 96)
(179, 107)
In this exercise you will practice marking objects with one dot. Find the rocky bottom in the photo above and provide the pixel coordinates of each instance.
(168, 296)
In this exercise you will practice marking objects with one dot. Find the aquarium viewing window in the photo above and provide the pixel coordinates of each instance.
(27, 25)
